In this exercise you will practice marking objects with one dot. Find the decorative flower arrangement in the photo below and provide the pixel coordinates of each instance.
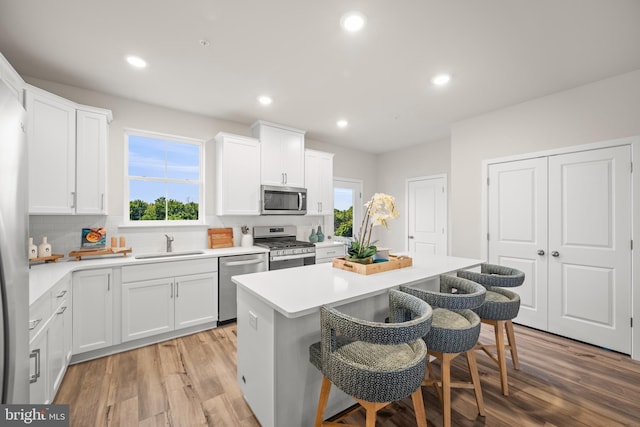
(380, 209)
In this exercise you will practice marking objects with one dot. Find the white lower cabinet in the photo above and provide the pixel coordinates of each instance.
(153, 303)
(50, 344)
(147, 308)
(92, 309)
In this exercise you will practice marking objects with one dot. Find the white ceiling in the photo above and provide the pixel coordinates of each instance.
(499, 52)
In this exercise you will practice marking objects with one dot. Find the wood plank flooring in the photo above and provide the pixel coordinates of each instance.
(191, 381)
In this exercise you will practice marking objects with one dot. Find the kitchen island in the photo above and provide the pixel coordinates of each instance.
(279, 318)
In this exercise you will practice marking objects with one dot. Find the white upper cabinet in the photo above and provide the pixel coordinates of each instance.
(319, 182)
(237, 175)
(51, 141)
(67, 155)
(282, 159)
(91, 162)
(11, 78)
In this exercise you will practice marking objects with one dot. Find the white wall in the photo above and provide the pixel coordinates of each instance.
(393, 170)
(63, 232)
(604, 110)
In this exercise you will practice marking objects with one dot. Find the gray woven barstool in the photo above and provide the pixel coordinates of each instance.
(375, 363)
(499, 308)
(454, 330)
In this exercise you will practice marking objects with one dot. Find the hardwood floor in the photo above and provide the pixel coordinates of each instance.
(191, 381)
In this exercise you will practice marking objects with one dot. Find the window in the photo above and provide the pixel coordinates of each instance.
(163, 178)
(347, 208)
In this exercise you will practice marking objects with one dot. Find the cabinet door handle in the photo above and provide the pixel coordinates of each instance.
(411, 237)
(177, 289)
(282, 177)
(35, 354)
(61, 294)
(62, 310)
(73, 200)
(109, 282)
(540, 252)
(286, 178)
(34, 323)
(102, 201)
(555, 253)
(171, 296)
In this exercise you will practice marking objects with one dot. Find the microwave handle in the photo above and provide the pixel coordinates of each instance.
(299, 201)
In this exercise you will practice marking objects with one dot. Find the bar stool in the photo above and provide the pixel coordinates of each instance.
(454, 330)
(375, 363)
(499, 308)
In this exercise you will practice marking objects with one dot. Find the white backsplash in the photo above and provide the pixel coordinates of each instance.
(63, 231)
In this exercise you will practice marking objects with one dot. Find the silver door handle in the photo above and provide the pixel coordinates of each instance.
(102, 201)
(177, 289)
(299, 201)
(34, 323)
(62, 310)
(61, 294)
(73, 200)
(555, 253)
(411, 237)
(35, 354)
(286, 178)
(540, 252)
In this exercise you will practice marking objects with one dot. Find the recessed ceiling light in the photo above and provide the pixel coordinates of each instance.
(136, 61)
(265, 100)
(441, 79)
(352, 21)
(342, 123)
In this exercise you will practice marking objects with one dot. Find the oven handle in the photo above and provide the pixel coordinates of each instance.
(297, 256)
(247, 262)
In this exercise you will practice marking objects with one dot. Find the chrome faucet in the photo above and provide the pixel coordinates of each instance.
(169, 241)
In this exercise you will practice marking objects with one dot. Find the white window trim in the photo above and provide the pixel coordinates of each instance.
(163, 223)
(358, 184)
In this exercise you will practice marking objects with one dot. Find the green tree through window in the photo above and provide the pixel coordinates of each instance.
(343, 222)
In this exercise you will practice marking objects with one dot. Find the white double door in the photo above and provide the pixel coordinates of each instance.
(565, 220)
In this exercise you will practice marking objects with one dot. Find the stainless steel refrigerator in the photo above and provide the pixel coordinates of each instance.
(14, 264)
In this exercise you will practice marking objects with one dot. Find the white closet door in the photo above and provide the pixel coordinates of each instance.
(590, 246)
(427, 216)
(517, 200)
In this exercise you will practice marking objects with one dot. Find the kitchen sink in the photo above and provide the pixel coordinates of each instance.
(168, 254)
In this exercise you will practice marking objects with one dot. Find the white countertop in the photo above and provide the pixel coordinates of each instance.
(295, 292)
(43, 276)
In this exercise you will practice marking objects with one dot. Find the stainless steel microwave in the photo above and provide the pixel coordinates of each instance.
(283, 200)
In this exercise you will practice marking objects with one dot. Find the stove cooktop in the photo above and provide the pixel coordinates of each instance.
(283, 244)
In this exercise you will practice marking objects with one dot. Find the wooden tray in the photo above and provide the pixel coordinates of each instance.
(98, 252)
(220, 238)
(395, 262)
(45, 259)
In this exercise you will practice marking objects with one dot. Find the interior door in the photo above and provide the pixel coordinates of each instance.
(427, 216)
(517, 199)
(590, 244)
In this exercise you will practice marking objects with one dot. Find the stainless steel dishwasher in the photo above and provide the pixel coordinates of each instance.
(235, 265)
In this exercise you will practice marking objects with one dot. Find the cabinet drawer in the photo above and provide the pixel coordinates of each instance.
(137, 273)
(61, 292)
(330, 251)
(39, 313)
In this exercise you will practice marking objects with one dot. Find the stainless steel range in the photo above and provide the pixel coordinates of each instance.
(284, 250)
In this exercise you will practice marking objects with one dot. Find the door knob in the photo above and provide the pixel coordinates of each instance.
(555, 253)
(540, 252)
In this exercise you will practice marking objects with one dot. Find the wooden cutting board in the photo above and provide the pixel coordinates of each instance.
(220, 238)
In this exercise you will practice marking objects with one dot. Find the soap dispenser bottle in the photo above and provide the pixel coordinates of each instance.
(33, 249)
(44, 249)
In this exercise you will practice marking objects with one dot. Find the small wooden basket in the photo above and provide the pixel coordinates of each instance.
(395, 262)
